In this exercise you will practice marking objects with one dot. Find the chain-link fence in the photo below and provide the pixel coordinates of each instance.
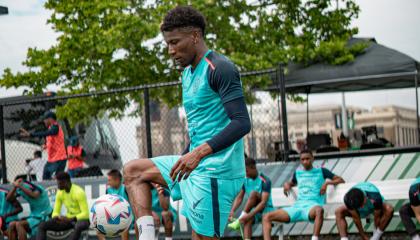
(32, 146)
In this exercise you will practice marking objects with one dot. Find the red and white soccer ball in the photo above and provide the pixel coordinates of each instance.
(111, 215)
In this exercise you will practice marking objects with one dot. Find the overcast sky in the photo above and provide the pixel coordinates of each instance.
(394, 23)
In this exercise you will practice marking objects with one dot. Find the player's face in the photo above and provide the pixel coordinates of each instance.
(251, 172)
(114, 182)
(61, 184)
(181, 46)
(306, 160)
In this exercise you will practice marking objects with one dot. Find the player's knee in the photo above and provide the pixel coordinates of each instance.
(389, 210)
(339, 212)
(319, 212)
(12, 225)
(166, 216)
(404, 209)
(267, 218)
(254, 195)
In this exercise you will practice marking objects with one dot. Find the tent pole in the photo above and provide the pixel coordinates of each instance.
(307, 115)
(417, 109)
(282, 89)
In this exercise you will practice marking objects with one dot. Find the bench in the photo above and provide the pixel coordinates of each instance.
(390, 189)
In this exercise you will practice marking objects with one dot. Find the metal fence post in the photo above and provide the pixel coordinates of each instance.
(148, 128)
(3, 147)
(282, 88)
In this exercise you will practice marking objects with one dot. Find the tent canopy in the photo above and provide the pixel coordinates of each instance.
(378, 67)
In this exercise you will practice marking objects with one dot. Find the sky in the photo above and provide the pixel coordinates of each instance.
(393, 23)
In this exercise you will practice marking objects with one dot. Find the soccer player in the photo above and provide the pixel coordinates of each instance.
(360, 201)
(212, 170)
(412, 209)
(74, 199)
(312, 185)
(257, 189)
(57, 156)
(39, 204)
(9, 209)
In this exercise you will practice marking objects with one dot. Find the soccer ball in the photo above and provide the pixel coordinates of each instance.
(111, 215)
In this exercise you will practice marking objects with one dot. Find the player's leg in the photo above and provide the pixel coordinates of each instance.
(248, 229)
(196, 236)
(279, 215)
(22, 228)
(80, 226)
(340, 216)
(156, 220)
(252, 201)
(386, 216)
(11, 231)
(416, 210)
(100, 236)
(406, 213)
(138, 175)
(167, 217)
(125, 235)
(316, 214)
(52, 225)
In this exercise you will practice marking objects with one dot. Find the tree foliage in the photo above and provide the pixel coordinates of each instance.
(107, 44)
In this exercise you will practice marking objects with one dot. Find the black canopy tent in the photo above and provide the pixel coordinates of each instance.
(377, 68)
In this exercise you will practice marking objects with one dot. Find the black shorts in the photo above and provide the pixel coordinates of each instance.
(414, 195)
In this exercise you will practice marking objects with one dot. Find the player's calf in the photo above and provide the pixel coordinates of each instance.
(317, 214)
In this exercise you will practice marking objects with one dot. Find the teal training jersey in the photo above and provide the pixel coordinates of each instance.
(416, 181)
(6, 206)
(120, 191)
(40, 205)
(206, 115)
(309, 184)
(374, 198)
(260, 184)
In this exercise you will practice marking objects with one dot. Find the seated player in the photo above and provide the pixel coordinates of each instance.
(257, 189)
(74, 199)
(360, 201)
(312, 185)
(115, 186)
(411, 210)
(40, 209)
(162, 210)
(9, 209)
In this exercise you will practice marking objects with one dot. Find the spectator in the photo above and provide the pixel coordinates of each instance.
(39, 204)
(56, 149)
(9, 209)
(36, 166)
(76, 155)
(74, 199)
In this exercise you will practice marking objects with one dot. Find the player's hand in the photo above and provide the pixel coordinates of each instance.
(286, 189)
(24, 133)
(17, 182)
(231, 216)
(185, 165)
(323, 189)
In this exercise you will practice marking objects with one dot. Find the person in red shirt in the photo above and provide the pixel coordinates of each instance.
(76, 155)
(54, 138)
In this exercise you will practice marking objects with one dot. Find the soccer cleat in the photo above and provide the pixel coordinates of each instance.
(235, 225)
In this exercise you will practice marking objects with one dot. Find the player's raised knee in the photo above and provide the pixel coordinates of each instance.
(339, 212)
(388, 209)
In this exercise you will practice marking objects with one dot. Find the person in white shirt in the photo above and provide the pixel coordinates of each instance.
(36, 166)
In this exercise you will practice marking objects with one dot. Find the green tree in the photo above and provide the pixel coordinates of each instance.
(254, 34)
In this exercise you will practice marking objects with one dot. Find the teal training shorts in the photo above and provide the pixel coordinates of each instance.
(299, 212)
(206, 201)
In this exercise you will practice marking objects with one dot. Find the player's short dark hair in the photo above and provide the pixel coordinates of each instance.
(250, 162)
(182, 17)
(306, 151)
(38, 154)
(354, 199)
(63, 176)
(115, 174)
